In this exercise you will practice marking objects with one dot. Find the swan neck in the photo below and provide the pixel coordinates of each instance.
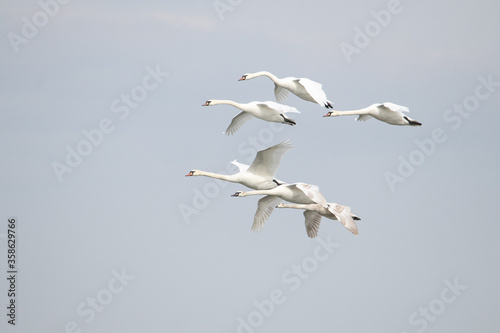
(257, 192)
(216, 176)
(351, 112)
(273, 77)
(296, 206)
(226, 101)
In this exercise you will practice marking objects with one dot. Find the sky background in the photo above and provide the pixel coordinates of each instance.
(183, 246)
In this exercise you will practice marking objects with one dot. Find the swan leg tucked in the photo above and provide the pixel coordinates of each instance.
(412, 122)
(288, 120)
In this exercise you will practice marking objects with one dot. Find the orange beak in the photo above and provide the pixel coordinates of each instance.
(327, 115)
(206, 103)
(243, 78)
(189, 174)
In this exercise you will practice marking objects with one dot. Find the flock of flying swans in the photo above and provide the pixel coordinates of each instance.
(260, 175)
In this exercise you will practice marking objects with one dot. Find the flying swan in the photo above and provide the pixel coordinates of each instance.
(387, 112)
(260, 174)
(306, 89)
(268, 111)
(313, 213)
(299, 193)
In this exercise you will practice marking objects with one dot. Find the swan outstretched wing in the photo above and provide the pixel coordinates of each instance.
(394, 107)
(242, 167)
(312, 191)
(265, 207)
(343, 214)
(364, 117)
(238, 121)
(280, 93)
(281, 108)
(315, 90)
(313, 220)
(267, 161)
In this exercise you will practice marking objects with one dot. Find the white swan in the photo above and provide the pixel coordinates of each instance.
(269, 111)
(260, 174)
(299, 193)
(387, 112)
(306, 89)
(313, 213)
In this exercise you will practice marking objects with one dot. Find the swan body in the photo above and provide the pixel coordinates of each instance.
(260, 174)
(314, 212)
(268, 111)
(387, 112)
(299, 193)
(304, 88)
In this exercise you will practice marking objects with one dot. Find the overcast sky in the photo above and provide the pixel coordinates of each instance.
(102, 118)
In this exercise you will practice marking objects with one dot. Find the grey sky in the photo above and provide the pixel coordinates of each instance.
(113, 229)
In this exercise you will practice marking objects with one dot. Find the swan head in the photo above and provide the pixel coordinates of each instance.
(249, 76)
(193, 173)
(332, 113)
(239, 194)
(281, 205)
(211, 102)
